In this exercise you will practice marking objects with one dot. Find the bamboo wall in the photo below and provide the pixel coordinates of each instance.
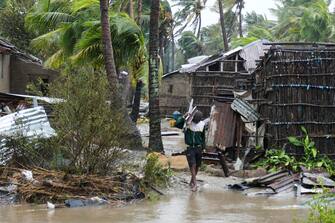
(298, 88)
(208, 86)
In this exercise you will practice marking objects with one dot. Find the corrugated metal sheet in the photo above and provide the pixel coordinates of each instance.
(252, 52)
(32, 122)
(245, 109)
(222, 126)
(39, 98)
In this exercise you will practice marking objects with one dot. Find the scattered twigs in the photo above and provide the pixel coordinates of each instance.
(57, 186)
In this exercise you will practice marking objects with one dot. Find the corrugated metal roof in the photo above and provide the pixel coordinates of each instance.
(45, 99)
(8, 47)
(32, 122)
(245, 109)
(250, 53)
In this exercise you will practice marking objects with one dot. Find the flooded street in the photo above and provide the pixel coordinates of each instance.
(212, 203)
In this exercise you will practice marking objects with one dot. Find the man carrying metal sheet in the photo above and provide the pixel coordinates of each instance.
(194, 130)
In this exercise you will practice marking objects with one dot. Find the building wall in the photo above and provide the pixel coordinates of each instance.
(24, 72)
(296, 88)
(175, 93)
(4, 73)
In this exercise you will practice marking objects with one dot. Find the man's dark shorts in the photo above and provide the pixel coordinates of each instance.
(194, 156)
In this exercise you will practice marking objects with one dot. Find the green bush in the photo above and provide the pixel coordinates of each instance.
(86, 136)
(312, 158)
(26, 151)
(154, 172)
(321, 209)
(278, 158)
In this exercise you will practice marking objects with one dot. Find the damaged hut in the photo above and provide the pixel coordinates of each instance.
(295, 86)
(207, 79)
(17, 69)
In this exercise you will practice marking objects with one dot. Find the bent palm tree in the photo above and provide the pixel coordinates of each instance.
(190, 14)
(73, 30)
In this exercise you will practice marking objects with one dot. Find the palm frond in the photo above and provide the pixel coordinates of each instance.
(84, 4)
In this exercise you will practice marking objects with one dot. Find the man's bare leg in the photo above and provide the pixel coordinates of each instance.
(193, 178)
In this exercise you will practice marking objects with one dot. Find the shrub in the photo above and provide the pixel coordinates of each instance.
(312, 158)
(86, 136)
(154, 173)
(276, 159)
(26, 151)
(321, 209)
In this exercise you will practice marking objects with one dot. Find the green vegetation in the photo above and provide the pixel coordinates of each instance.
(321, 209)
(277, 159)
(154, 173)
(27, 151)
(86, 136)
(311, 159)
(12, 24)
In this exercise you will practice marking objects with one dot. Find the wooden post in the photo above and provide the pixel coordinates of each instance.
(223, 163)
(236, 62)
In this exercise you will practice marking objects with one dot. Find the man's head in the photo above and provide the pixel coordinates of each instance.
(197, 117)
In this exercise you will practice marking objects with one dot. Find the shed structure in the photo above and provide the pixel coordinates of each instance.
(295, 86)
(210, 78)
(17, 69)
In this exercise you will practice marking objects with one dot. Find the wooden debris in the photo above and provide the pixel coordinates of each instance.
(57, 186)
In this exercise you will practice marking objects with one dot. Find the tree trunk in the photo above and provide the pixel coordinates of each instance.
(223, 26)
(137, 101)
(131, 9)
(128, 133)
(155, 139)
(161, 49)
(199, 27)
(240, 7)
(139, 12)
(173, 52)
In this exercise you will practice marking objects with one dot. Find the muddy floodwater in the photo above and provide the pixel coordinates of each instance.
(212, 203)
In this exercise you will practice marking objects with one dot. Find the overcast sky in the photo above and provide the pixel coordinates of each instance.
(260, 6)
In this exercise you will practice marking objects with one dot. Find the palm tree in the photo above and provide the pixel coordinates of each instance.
(139, 12)
(155, 139)
(76, 33)
(240, 6)
(117, 105)
(303, 20)
(190, 14)
(108, 51)
(189, 44)
(223, 26)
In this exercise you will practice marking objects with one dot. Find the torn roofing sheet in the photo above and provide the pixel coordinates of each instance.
(32, 122)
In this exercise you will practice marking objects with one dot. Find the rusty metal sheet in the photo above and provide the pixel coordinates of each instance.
(245, 109)
(222, 126)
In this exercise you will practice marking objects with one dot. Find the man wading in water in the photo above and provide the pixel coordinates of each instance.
(195, 141)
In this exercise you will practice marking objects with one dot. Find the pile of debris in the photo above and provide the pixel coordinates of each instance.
(39, 186)
(286, 181)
